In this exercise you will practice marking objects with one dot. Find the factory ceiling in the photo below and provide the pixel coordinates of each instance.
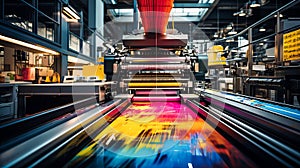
(205, 16)
(209, 16)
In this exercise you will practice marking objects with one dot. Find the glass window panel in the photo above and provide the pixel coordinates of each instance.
(74, 42)
(87, 33)
(18, 13)
(75, 28)
(49, 7)
(86, 48)
(188, 12)
(47, 28)
(87, 38)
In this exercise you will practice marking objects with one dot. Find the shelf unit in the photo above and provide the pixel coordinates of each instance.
(21, 61)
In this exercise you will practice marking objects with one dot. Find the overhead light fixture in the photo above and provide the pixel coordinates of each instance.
(261, 44)
(236, 13)
(229, 27)
(232, 32)
(230, 40)
(280, 15)
(254, 4)
(242, 13)
(262, 29)
(71, 13)
(28, 45)
(216, 35)
(248, 12)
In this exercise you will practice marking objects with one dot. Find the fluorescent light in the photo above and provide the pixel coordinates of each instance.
(236, 13)
(229, 27)
(71, 13)
(216, 35)
(254, 4)
(242, 14)
(230, 40)
(262, 29)
(232, 32)
(280, 15)
(261, 44)
(24, 44)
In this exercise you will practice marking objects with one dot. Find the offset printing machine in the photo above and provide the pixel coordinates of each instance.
(158, 118)
(155, 66)
(149, 69)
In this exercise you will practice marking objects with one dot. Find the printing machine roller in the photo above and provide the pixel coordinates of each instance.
(152, 69)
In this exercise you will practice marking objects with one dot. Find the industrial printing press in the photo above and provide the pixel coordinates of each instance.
(157, 118)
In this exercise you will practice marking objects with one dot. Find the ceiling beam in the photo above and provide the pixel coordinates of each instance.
(191, 5)
(129, 19)
(213, 6)
(119, 6)
(176, 5)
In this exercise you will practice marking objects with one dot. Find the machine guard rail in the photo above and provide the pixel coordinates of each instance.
(30, 151)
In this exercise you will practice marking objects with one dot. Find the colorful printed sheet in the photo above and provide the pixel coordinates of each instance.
(160, 134)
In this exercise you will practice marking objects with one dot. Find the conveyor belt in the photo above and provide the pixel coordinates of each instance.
(34, 151)
(274, 133)
(15, 130)
(288, 111)
(273, 108)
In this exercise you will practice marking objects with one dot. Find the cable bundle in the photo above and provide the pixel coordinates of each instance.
(155, 15)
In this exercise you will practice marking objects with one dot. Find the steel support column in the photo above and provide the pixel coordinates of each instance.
(250, 52)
